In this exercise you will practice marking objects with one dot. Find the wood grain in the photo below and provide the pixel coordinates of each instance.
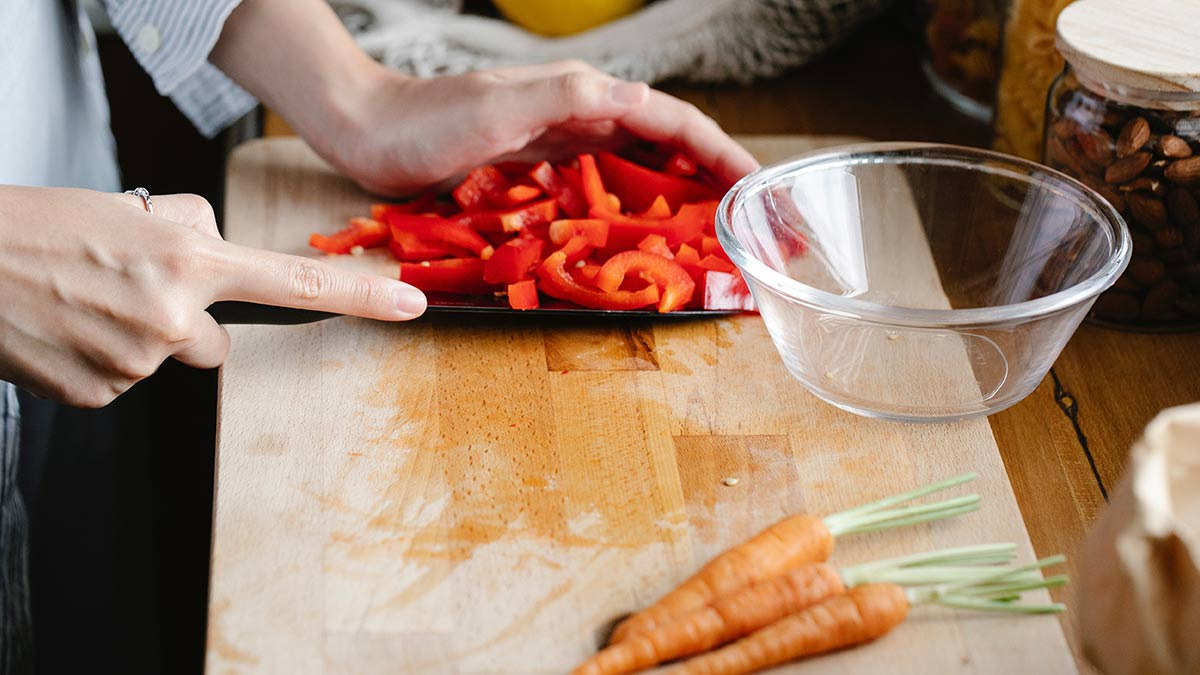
(488, 495)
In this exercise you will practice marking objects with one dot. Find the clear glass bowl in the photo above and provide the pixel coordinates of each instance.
(920, 282)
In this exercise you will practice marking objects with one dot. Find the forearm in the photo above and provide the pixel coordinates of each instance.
(298, 59)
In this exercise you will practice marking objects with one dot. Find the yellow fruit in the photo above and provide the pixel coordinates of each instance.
(556, 18)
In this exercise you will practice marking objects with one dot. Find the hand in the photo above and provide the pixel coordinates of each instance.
(96, 293)
(407, 133)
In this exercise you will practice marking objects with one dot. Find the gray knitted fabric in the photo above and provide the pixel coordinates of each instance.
(697, 40)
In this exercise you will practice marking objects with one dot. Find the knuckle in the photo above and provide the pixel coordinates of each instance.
(576, 88)
(198, 208)
(307, 280)
(170, 323)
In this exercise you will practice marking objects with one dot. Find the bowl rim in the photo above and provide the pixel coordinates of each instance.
(910, 317)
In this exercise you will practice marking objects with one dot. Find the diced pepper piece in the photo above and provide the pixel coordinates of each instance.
(453, 275)
(710, 246)
(656, 244)
(523, 295)
(658, 210)
(364, 232)
(513, 261)
(637, 186)
(569, 196)
(519, 194)
(686, 255)
(594, 230)
(674, 282)
(679, 164)
(726, 291)
(555, 281)
(479, 188)
(717, 264)
(407, 246)
(440, 230)
(512, 220)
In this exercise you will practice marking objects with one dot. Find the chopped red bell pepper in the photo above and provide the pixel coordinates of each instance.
(555, 281)
(440, 230)
(364, 232)
(519, 194)
(710, 246)
(569, 197)
(409, 247)
(637, 186)
(513, 261)
(422, 204)
(716, 264)
(593, 185)
(523, 295)
(656, 244)
(658, 210)
(480, 188)
(624, 232)
(686, 255)
(679, 164)
(576, 249)
(587, 273)
(453, 275)
(512, 220)
(674, 281)
(594, 230)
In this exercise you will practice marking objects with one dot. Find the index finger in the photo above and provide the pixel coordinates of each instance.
(666, 119)
(269, 278)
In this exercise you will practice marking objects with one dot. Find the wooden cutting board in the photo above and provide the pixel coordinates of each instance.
(471, 495)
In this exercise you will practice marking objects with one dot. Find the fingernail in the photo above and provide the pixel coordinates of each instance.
(628, 93)
(410, 301)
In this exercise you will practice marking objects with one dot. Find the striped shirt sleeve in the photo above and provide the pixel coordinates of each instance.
(172, 39)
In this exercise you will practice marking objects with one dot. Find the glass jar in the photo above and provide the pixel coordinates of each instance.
(962, 57)
(1137, 143)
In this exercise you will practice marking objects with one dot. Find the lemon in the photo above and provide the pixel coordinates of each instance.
(556, 18)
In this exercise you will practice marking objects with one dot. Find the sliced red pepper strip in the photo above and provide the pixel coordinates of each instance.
(656, 244)
(407, 246)
(513, 261)
(679, 164)
(658, 210)
(479, 188)
(674, 281)
(637, 186)
(423, 203)
(569, 196)
(440, 230)
(624, 232)
(593, 185)
(587, 273)
(577, 248)
(364, 232)
(513, 220)
(453, 275)
(555, 281)
(519, 194)
(594, 230)
(523, 295)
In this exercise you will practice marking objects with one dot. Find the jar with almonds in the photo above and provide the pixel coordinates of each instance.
(1124, 118)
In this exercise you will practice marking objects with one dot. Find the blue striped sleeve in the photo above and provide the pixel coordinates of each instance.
(172, 39)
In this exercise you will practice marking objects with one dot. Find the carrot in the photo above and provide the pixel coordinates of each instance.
(865, 613)
(792, 541)
(732, 616)
(860, 615)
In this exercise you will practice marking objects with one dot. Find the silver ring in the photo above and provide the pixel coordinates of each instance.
(145, 195)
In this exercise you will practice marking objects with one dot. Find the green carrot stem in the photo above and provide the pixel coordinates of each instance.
(959, 555)
(1003, 589)
(905, 496)
(964, 602)
(1002, 575)
(902, 516)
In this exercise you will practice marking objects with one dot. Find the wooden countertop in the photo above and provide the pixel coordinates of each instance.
(1064, 447)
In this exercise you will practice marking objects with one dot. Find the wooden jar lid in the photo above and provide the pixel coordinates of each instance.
(1140, 51)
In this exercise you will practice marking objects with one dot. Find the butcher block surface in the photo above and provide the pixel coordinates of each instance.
(487, 494)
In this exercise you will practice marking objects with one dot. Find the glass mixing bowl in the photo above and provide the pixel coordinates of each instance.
(920, 282)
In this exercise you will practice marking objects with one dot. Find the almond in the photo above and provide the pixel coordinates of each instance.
(1146, 271)
(1146, 184)
(1149, 212)
(1183, 171)
(1182, 207)
(1096, 145)
(1173, 147)
(1133, 136)
(1126, 169)
(1169, 237)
